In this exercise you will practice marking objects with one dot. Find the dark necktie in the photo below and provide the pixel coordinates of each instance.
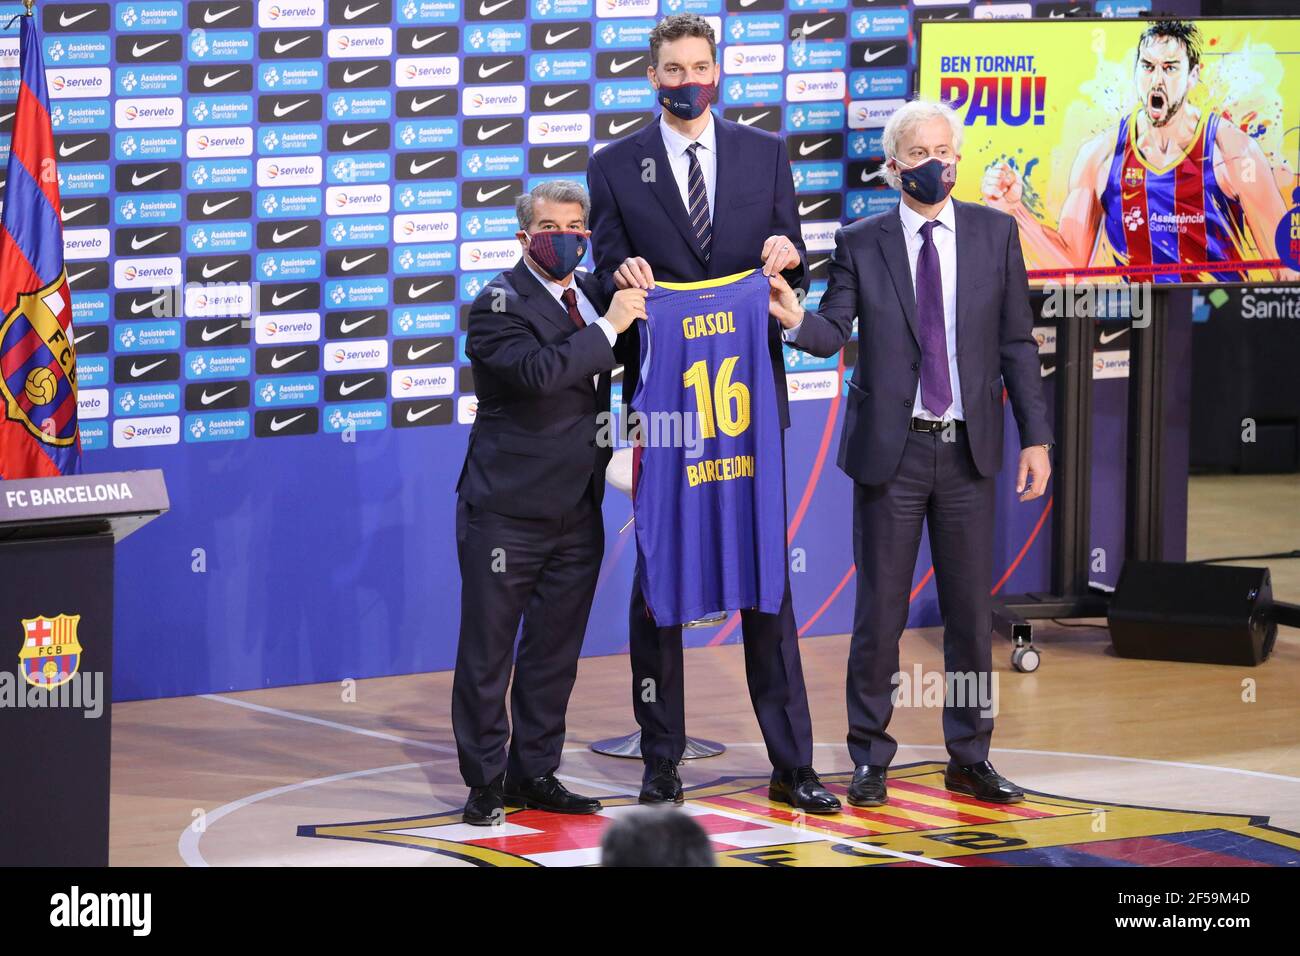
(570, 300)
(936, 387)
(698, 207)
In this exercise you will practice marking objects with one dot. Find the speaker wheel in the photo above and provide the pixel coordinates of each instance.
(1026, 659)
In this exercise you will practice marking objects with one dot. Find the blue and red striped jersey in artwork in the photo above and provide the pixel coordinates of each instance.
(38, 362)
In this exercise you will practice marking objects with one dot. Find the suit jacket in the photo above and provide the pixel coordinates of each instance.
(753, 198)
(870, 279)
(533, 449)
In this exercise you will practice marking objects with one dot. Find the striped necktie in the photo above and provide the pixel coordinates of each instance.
(698, 207)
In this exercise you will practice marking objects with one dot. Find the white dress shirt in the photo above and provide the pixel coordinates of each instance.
(677, 147)
(945, 243)
(585, 308)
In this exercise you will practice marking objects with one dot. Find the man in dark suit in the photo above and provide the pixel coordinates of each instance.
(693, 196)
(529, 534)
(938, 288)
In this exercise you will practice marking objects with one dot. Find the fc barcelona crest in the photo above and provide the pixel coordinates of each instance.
(39, 377)
(51, 653)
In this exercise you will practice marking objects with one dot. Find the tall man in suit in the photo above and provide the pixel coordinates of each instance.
(529, 534)
(693, 196)
(938, 288)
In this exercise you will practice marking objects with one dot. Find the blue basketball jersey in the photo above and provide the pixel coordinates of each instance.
(710, 490)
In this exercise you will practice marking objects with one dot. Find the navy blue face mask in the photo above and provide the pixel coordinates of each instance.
(687, 100)
(929, 182)
(557, 253)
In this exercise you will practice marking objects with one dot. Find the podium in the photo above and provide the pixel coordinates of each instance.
(57, 537)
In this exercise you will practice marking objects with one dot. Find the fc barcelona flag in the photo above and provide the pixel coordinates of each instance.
(38, 362)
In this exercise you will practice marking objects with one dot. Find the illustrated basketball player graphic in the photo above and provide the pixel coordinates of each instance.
(1171, 184)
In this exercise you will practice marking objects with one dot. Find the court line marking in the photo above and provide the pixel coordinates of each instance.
(188, 844)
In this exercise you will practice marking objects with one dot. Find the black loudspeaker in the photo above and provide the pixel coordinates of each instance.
(1201, 613)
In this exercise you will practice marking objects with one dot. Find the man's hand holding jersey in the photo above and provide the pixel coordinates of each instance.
(626, 307)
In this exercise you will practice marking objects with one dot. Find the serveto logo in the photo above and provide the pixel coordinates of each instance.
(758, 58)
(808, 385)
(160, 430)
(422, 382)
(375, 41)
(220, 141)
(147, 273)
(280, 15)
(164, 111)
(91, 81)
(298, 172)
(354, 200)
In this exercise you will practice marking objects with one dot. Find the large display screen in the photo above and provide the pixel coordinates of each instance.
(1131, 150)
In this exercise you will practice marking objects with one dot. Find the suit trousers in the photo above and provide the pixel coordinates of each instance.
(936, 484)
(540, 570)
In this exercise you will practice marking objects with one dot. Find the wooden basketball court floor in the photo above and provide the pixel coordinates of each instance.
(1127, 762)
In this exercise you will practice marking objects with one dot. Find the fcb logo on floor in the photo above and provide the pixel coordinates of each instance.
(922, 825)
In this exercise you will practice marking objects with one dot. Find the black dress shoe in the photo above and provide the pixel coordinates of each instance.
(981, 781)
(803, 790)
(660, 783)
(868, 787)
(486, 805)
(547, 793)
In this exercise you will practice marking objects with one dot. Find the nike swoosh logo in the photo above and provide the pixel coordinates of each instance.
(347, 265)
(806, 148)
(345, 327)
(548, 160)
(284, 47)
(617, 67)
(550, 100)
(136, 50)
(417, 168)
(276, 424)
(417, 291)
(137, 308)
(278, 236)
(1047, 370)
(751, 120)
(616, 128)
(413, 354)
(419, 43)
(66, 150)
(345, 389)
(1107, 337)
(137, 244)
(484, 10)
(210, 17)
(413, 416)
(277, 299)
(279, 110)
(84, 272)
(209, 208)
(484, 72)
(419, 105)
(817, 263)
(484, 197)
(869, 56)
(350, 77)
(277, 362)
(556, 38)
(76, 339)
(138, 180)
(747, 3)
(68, 216)
(207, 399)
(350, 14)
(809, 29)
(208, 335)
(67, 21)
(805, 210)
(484, 134)
(350, 138)
(210, 81)
(137, 371)
(208, 273)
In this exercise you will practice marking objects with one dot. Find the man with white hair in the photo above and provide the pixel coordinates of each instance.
(938, 289)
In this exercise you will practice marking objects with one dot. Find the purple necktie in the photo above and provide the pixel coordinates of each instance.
(936, 388)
